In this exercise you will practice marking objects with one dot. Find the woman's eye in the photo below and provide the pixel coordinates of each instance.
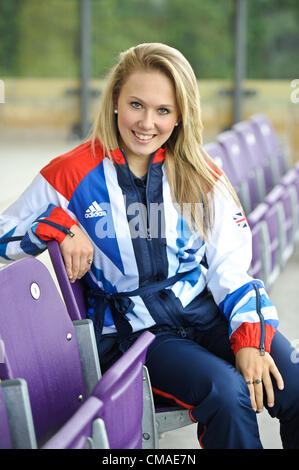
(136, 105)
(163, 111)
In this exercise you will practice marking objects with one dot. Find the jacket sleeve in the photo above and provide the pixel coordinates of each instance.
(39, 215)
(241, 299)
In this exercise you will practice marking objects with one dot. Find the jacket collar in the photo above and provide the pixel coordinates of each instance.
(118, 156)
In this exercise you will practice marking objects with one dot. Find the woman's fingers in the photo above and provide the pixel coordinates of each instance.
(269, 389)
(257, 371)
(67, 258)
(251, 394)
(263, 384)
(277, 376)
(259, 394)
(77, 254)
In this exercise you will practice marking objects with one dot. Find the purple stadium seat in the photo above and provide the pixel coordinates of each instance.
(290, 181)
(243, 166)
(40, 345)
(261, 254)
(116, 401)
(281, 200)
(217, 153)
(79, 431)
(43, 346)
(166, 419)
(5, 437)
(121, 389)
(268, 141)
(276, 214)
(250, 146)
(72, 293)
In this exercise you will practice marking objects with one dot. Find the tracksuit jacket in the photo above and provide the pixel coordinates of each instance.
(149, 268)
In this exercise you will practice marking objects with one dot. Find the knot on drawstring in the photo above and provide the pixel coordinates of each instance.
(119, 303)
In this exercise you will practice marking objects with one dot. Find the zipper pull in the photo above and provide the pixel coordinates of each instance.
(69, 232)
(148, 234)
(262, 350)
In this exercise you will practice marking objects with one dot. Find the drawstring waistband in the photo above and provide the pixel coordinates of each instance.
(121, 304)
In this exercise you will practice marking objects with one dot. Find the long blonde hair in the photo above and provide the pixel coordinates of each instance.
(190, 170)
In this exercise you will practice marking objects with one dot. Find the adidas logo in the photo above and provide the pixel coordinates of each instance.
(94, 210)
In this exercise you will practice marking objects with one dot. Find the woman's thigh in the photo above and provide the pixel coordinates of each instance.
(185, 371)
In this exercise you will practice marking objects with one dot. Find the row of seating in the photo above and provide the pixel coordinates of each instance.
(268, 188)
(52, 394)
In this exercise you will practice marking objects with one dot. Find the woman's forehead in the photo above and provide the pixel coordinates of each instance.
(153, 83)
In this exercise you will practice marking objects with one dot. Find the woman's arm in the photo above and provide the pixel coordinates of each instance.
(252, 318)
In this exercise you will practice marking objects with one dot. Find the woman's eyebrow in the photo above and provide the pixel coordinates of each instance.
(158, 106)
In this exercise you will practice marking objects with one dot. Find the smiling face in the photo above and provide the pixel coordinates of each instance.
(147, 114)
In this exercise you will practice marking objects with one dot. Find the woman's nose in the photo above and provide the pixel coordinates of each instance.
(147, 121)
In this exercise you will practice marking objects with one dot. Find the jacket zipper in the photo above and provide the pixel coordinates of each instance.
(146, 220)
(48, 222)
(262, 319)
(11, 239)
(65, 230)
(148, 229)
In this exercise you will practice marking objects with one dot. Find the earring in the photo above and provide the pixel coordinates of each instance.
(115, 111)
(176, 124)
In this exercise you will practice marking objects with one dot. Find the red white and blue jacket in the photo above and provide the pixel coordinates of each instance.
(133, 251)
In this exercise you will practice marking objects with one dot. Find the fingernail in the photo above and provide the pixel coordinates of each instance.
(270, 405)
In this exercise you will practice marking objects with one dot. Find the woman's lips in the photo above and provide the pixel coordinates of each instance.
(143, 138)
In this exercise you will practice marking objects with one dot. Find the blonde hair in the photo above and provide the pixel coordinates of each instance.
(191, 172)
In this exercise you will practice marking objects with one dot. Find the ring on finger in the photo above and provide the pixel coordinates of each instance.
(249, 382)
(89, 261)
(258, 381)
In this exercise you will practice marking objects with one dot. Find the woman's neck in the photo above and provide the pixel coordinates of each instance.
(138, 164)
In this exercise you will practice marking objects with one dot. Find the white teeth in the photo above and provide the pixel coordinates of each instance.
(143, 137)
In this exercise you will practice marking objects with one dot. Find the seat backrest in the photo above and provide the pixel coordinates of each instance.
(5, 437)
(216, 152)
(248, 140)
(239, 160)
(79, 432)
(242, 165)
(73, 293)
(268, 140)
(265, 134)
(120, 389)
(40, 344)
(250, 145)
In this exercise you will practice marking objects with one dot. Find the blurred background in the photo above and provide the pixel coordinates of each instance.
(53, 53)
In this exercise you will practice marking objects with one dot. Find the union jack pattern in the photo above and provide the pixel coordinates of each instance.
(240, 219)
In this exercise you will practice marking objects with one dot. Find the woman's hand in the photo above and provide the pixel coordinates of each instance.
(77, 253)
(256, 370)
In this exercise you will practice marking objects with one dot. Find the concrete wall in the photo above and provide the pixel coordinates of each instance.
(54, 104)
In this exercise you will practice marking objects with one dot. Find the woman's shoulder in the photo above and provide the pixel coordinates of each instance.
(66, 171)
(214, 169)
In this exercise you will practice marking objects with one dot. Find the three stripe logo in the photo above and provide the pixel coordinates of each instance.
(94, 210)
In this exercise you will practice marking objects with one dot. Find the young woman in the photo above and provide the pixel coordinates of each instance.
(142, 212)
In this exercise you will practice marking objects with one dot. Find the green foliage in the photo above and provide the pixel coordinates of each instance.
(40, 38)
(273, 39)
(8, 36)
(198, 28)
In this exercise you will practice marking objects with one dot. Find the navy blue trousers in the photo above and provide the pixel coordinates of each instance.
(196, 369)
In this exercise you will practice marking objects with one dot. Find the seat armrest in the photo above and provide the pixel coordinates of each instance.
(19, 414)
